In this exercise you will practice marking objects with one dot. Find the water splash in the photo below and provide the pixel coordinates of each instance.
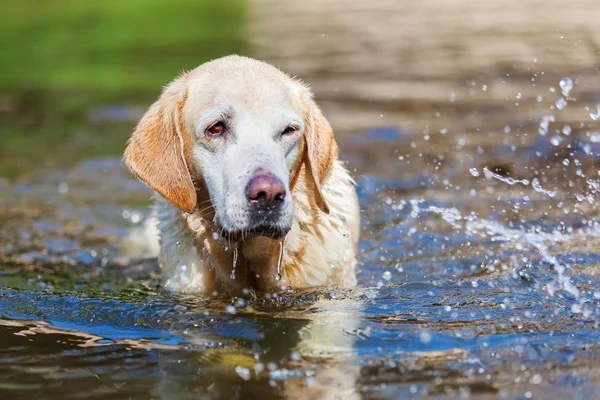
(279, 261)
(235, 259)
(545, 124)
(595, 114)
(511, 181)
(535, 183)
(532, 238)
(566, 85)
(561, 103)
(450, 215)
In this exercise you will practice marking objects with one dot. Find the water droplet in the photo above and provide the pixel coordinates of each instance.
(279, 261)
(539, 99)
(595, 114)
(425, 336)
(243, 372)
(136, 217)
(474, 172)
(507, 129)
(518, 96)
(452, 97)
(555, 141)
(566, 130)
(63, 187)
(561, 103)
(387, 275)
(595, 137)
(544, 124)
(536, 379)
(566, 85)
(235, 259)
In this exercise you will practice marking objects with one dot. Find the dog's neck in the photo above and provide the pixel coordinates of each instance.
(252, 263)
(195, 258)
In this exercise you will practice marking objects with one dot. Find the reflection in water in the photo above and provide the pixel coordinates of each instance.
(301, 354)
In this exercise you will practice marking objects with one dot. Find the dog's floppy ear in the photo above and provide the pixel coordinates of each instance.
(321, 149)
(155, 151)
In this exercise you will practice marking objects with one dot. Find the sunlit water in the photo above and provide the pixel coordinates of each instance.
(478, 272)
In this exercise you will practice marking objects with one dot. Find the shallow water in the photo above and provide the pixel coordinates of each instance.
(479, 263)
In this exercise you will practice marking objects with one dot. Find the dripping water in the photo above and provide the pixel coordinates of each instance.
(279, 261)
(235, 259)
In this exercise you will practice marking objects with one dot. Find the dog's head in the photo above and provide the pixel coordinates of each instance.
(231, 137)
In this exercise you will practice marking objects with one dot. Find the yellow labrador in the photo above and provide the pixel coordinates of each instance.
(251, 193)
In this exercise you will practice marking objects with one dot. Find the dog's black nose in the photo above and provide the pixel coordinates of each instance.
(265, 190)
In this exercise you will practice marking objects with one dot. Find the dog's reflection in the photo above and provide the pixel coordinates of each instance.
(294, 354)
(297, 354)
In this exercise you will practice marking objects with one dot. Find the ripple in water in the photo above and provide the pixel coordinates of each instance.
(478, 256)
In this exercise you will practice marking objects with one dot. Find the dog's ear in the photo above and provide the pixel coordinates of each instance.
(321, 149)
(155, 152)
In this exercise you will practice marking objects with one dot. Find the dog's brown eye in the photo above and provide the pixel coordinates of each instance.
(217, 128)
(288, 130)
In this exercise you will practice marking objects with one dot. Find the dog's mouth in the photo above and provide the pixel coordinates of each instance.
(272, 232)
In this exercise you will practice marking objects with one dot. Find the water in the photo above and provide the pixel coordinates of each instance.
(470, 283)
(479, 268)
(279, 261)
(566, 85)
(235, 260)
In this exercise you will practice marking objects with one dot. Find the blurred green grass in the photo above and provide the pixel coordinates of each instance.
(62, 58)
(113, 45)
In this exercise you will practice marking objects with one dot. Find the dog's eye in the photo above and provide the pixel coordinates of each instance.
(288, 130)
(217, 128)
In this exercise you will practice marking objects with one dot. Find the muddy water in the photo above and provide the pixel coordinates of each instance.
(478, 180)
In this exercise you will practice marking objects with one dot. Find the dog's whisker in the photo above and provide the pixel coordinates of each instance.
(203, 202)
(206, 209)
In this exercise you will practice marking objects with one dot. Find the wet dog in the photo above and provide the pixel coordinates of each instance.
(249, 189)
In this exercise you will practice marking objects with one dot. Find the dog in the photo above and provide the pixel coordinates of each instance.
(250, 193)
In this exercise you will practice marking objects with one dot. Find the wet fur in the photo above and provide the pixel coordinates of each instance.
(320, 247)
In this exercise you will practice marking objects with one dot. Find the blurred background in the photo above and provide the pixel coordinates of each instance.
(472, 129)
(75, 76)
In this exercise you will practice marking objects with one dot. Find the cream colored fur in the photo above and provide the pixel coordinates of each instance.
(317, 251)
(200, 183)
(200, 180)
